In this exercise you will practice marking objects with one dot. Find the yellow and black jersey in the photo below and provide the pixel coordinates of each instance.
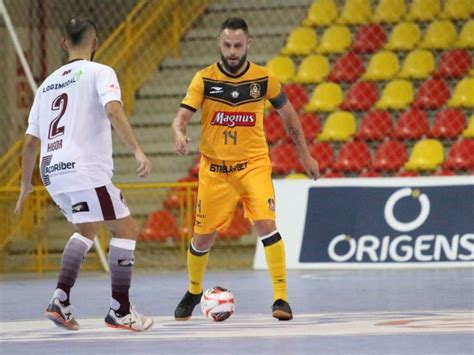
(232, 109)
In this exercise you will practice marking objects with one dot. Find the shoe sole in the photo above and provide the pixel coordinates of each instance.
(282, 315)
(182, 319)
(57, 319)
(119, 326)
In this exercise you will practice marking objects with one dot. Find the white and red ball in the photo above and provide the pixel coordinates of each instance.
(217, 303)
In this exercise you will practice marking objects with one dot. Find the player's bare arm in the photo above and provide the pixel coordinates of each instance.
(30, 152)
(179, 127)
(293, 127)
(122, 126)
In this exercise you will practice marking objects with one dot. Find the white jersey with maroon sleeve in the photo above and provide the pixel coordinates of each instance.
(68, 116)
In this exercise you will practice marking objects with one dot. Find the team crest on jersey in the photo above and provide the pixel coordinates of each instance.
(271, 204)
(255, 90)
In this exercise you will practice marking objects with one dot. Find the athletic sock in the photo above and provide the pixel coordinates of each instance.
(72, 258)
(121, 261)
(197, 263)
(275, 255)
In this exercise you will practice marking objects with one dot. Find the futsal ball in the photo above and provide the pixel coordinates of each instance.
(217, 303)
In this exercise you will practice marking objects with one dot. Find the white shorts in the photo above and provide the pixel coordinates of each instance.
(103, 203)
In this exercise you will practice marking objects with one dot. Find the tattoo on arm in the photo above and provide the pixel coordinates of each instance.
(295, 134)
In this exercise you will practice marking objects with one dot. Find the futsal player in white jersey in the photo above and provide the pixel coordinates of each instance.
(71, 121)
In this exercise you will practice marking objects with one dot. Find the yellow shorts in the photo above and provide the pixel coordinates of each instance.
(223, 183)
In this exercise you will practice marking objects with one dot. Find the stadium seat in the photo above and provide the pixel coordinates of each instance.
(427, 154)
(311, 125)
(448, 123)
(411, 125)
(466, 37)
(463, 95)
(457, 9)
(461, 155)
(296, 176)
(397, 95)
(370, 174)
(469, 131)
(336, 39)
(283, 67)
(274, 127)
(301, 41)
(284, 158)
(360, 97)
(297, 95)
(332, 175)
(375, 125)
(382, 66)
(239, 226)
(193, 171)
(405, 36)
(407, 174)
(439, 35)
(323, 153)
(355, 12)
(454, 64)
(419, 64)
(369, 39)
(348, 68)
(423, 10)
(389, 11)
(339, 126)
(353, 157)
(390, 156)
(432, 94)
(313, 69)
(444, 172)
(321, 13)
(159, 226)
(325, 97)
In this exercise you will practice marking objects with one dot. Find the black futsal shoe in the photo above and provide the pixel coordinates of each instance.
(281, 310)
(185, 308)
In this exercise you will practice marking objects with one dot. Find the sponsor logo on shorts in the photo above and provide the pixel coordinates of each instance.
(271, 204)
(80, 207)
(217, 168)
(233, 119)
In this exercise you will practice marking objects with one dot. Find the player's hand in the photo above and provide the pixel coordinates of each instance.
(181, 143)
(25, 190)
(311, 167)
(144, 165)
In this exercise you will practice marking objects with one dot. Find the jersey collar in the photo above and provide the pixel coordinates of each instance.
(223, 71)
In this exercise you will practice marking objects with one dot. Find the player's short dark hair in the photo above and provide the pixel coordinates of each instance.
(235, 23)
(77, 27)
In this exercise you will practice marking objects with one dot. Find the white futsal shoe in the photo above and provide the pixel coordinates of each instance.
(132, 321)
(61, 315)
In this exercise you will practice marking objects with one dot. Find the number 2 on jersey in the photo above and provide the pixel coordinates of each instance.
(59, 104)
(230, 135)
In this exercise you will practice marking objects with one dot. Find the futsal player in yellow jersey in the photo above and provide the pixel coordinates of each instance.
(235, 164)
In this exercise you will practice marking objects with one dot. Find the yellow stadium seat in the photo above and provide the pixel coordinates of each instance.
(466, 37)
(283, 67)
(397, 95)
(427, 154)
(469, 131)
(419, 64)
(325, 97)
(300, 41)
(390, 11)
(405, 36)
(457, 9)
(382, 66)
(355, 12)
(339, 126)
(423, 10)
(463, 95)
(296, 176)
(313, 69)
(336, 39)
(321, 13)
(439, 35)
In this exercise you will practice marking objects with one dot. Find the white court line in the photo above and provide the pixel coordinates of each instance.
(252, 326)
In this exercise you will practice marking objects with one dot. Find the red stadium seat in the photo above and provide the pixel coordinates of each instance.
(274, 127)
(177, 195)
(284, 158)
(297, 95)
(390, 156)
(406, 173)
(159, 226)
(412, 124)
(445, 172)
(433, 94)
(238, 227)
(348, 68)
(323, 153)
(461, 155)
(369, 39)
(353, 157)
(449, 123)
(311, 125)
(360, 97)
(332, 175)
(454, 64)
(194, 170)
(370, 174)
(375, 125)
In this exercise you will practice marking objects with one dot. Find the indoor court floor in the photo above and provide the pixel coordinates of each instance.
(422, 311)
